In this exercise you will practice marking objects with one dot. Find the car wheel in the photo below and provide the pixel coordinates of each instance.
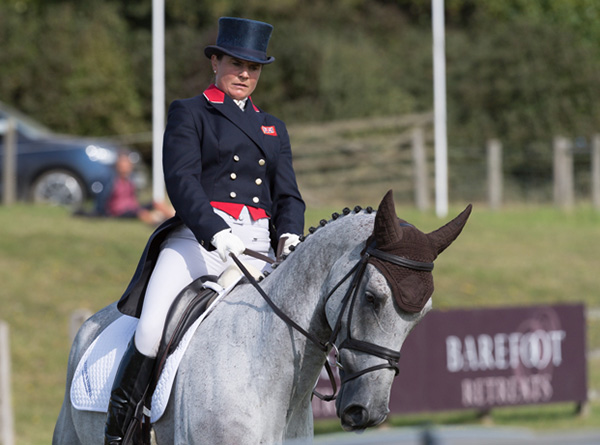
(59, 187)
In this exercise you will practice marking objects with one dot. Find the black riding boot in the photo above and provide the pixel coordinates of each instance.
(130, 385)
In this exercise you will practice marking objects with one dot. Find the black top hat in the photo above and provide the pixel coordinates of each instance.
(243, 39)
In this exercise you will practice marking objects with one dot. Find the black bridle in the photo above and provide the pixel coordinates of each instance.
(357, 272)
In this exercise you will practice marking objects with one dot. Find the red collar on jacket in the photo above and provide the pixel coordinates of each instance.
(216, 96)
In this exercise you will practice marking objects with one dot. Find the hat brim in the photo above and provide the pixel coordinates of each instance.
(238, 54)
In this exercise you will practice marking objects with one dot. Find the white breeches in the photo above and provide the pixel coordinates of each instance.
(182, 260)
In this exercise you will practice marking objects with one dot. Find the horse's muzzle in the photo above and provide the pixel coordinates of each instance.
(357, 418)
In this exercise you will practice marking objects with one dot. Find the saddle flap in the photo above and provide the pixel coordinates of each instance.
(187, 307)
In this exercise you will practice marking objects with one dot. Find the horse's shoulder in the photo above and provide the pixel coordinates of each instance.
(90, 329)
(101, 319)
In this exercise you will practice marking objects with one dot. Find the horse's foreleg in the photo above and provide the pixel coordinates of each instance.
(64, 431)
(300, 426)
(78, 427)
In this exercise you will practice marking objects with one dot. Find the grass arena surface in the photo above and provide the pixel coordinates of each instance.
(52, 264)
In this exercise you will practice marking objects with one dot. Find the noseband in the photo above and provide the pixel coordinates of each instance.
(392, 357)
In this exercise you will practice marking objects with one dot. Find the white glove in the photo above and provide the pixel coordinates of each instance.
(226, 243)
(291, 240)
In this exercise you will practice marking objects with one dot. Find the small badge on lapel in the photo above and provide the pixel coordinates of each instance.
(269, 131)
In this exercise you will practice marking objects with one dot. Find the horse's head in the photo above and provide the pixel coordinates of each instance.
(389, 293)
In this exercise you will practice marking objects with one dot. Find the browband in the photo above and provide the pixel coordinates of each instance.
(400, 261)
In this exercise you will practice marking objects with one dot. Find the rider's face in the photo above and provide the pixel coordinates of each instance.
(236, 78)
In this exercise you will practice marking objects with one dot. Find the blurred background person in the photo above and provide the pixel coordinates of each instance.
(122, 199)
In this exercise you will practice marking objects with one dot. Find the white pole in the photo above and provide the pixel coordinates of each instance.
(158, 97)
(439, 98)
(7, 434)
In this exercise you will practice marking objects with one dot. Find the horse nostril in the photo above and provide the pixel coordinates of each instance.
(355, 417)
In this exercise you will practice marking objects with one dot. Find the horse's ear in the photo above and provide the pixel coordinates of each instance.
(443, 237)
(386, 231)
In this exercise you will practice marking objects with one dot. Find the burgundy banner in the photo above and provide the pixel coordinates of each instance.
(481, 358)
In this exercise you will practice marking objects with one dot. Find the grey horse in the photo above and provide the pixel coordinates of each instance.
(248, 377)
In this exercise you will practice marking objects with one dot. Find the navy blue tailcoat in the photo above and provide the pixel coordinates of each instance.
(214, 151)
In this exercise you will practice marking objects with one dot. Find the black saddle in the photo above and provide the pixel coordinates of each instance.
(190, 304)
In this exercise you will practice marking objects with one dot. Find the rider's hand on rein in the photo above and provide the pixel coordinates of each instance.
(226, 242)
(289, 240)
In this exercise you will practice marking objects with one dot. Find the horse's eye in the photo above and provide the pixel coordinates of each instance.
(370, 298)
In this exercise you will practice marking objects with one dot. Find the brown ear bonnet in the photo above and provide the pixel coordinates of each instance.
(412, 284)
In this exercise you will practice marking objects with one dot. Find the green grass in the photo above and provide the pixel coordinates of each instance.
(52, 264)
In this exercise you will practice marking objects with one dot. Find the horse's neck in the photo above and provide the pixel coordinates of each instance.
(300, 284)
(299, 287)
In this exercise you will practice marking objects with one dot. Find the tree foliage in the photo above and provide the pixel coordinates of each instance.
(523, 81)
(516, 69)
(69, 68)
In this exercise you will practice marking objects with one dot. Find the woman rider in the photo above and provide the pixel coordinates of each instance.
(229, 175)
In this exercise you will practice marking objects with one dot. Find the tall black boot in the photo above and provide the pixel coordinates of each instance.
(131, 382)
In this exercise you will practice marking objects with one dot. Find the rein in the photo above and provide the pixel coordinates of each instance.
(392, 357)
(322, 346)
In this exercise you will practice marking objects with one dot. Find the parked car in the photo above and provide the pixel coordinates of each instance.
(60, 169)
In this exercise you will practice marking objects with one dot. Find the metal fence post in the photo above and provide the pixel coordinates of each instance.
(7, 436)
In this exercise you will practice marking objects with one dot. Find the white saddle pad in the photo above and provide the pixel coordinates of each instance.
(95, 373)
